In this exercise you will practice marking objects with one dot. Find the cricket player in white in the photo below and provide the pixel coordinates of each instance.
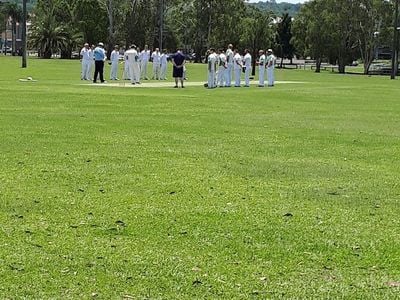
(126, 67)
(87, 60)
(222, 69)
(230, 64)
(247, 67)
(237, 67)
(261, 68)
(271, 67)
(164, 63)
(132, 59)
(156, 57)
(212, 69)
(114, 59)
(144, 61)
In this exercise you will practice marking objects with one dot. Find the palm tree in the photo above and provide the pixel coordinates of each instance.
(14, 12)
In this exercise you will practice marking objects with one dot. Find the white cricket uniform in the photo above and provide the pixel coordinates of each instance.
(222, 69)
(114, 58)
(237, 67)
(126, 68)
(132, 59)
(212, 62)
(144, 61)
(164, 63)
(270, 69)
(261, 69)
(230, 64)
(87, 60)
(156, 57)
(247, 68)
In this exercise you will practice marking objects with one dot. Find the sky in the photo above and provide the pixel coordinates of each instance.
(290, 1)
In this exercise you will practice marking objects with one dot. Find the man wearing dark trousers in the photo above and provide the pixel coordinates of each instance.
(99, 57)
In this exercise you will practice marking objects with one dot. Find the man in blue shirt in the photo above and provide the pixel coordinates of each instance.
(178, 60)
(99, 55)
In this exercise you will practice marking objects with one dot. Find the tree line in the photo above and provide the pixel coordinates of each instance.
(338, 32)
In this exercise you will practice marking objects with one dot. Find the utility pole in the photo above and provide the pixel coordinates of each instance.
(24, 35)
(395, 60)
(161, 33)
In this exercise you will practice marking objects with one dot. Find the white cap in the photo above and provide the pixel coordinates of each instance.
(269, 50)
(101, 44)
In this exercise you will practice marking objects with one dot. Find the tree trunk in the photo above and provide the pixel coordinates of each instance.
(13, 36)
(342, 65)
(253, 71)
(110, 12)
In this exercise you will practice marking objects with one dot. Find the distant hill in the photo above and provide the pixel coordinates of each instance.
(278, 8)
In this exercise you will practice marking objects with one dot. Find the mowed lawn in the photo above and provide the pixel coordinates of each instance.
(161, 193)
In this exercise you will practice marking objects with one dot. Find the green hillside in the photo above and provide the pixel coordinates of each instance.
(278, 8)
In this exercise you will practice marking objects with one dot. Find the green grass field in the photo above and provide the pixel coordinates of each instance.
(161, 193)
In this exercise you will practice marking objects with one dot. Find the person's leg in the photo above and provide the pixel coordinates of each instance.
(182, 79)
(101, 71)
(261, 77)
(96, 71)
(176, 81)
(83, 70)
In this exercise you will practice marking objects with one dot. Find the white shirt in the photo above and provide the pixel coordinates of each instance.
(261, 63)
(247, 60)
(86, 54)
(114, 56)
(131, 56)
(229, 56)
(156, 57)
(271, 61)
(237, 61)
(145, 55)
(164, 59)
(212, 60)
(222, 60)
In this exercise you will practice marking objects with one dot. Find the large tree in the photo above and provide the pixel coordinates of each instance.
(284, 38)
(14, 12)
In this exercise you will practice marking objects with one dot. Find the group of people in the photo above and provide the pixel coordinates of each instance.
(221, 65)
(135, 63)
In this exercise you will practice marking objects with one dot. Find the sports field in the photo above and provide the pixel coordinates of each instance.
(109, 192)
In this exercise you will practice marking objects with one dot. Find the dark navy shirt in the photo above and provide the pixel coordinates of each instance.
(178, 58)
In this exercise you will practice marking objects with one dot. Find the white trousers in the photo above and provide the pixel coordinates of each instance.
(156, 71)
(163, 72)
(134, 72)
(228, 74)
(238, 73)
(126, 71)
(86, 69)
(211, 79)
(261, 76)
(247, 76)
(271, 76)
(143, 68)
(114, 70)
(221, 76)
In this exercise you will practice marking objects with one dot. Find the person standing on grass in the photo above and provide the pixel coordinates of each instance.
(144, 61)
(132, 59)
(247, 67)
(114, 63)
(178, 61)
(212, 68)
(261, 69)
(237, 67)
(271, 67)
(222, 69)
(230, 65)
(156, 57)
(164, 64)
(99, 57)
(85, 61)
(91, 65)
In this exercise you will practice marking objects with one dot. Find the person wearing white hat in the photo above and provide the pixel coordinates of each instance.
(261, 69)
(212, 68)
(114, 58)
(230, 65)
(86, 62)
(164, 64)
(222, 69)
(99, 55)
(271, 67)
(132, 59)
